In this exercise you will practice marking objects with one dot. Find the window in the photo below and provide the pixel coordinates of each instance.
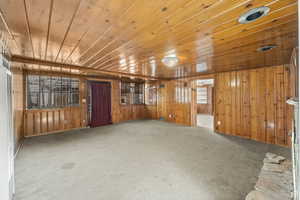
(202, 95)
(51, 92)
(182, 93)
(150, 94)
(132, 93)
(138, 93)
(125, 93)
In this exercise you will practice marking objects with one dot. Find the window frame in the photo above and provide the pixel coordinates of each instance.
(52, 104)
(198, 96)
(131, 88)
(150, 94)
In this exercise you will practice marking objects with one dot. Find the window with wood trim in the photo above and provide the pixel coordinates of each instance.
(150, 94)
(202, 95)
(132, 93)
(125, 93)
(51, 92)
(138, 93)
(182, 93)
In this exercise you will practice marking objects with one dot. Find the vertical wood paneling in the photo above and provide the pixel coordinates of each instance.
(29, 124)
(257, 98)
(56, 120)
(220, 102)
(227, 102)
(40, 122)
(174, 102)
(61, 119)
(50, 121)
(37, 123)
(234, 108)
(45, 121)
(18, 99)
(245, 110)
(67, 118)
(280, 131)
(270, 103)
(83, 103)
(252, 104)
(238, 100)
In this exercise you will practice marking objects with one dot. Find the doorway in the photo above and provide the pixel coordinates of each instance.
(6, 135)
(204, 101)
(99, 105)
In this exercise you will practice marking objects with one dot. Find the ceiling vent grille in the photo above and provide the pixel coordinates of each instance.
(254, 14)
(266, 48)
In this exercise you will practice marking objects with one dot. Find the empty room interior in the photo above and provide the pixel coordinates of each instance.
(149, 99)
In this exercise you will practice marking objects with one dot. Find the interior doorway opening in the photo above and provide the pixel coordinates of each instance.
(204, 101)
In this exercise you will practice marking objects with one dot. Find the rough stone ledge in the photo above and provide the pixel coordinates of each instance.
(275, 181)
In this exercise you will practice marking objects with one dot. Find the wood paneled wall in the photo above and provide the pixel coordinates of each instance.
(252, 104)
(174, 101)
(17, 103)
(248, 103)
(46, 121)
(129, 112)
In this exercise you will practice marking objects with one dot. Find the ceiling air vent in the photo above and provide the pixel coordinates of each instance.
(254, 14)
(266, 48)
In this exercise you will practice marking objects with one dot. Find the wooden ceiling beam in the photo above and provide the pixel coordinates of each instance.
(34, 61)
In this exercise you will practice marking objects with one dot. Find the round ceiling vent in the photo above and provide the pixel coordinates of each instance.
(254, 14)
(266, 48)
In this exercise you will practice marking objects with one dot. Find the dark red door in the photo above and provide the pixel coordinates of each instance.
(101, 103)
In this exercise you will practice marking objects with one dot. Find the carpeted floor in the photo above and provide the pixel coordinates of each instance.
(149, 160)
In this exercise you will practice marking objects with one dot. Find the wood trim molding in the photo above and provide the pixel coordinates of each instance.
(34, 61)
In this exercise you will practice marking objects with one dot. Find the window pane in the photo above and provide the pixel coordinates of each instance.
(45, 91)
(56, 91)
(74, 92)
(125, 92)
(138, 97)
(202, 95)
(52, 92)
(150, 94)
(65, 90)
(33, 91)
(132, 93)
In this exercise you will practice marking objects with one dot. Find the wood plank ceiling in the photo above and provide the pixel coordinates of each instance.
(132, 36)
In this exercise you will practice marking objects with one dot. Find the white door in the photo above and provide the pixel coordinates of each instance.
(6, 134)
(294, 101)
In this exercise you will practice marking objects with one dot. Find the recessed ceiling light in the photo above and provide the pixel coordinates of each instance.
(254, 14)
(266, 48)
(170, 61)
(201, 67)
